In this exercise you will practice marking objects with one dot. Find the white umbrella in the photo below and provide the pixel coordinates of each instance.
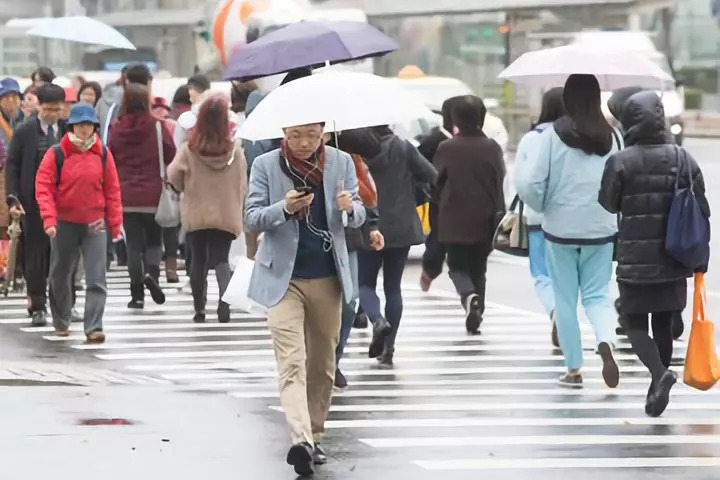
(343, 100)
(614, 69)
(81, 30)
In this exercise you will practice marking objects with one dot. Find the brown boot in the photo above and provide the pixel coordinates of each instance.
(171, 270)
(96, 337)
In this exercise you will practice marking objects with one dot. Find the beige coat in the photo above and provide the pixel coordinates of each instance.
(213, 190)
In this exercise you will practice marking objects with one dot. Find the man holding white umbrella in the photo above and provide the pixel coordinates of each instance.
(297, 198)
(301, 196)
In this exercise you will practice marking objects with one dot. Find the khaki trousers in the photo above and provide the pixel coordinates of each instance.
(305, 328)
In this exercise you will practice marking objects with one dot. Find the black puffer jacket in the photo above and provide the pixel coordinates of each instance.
(639, 183)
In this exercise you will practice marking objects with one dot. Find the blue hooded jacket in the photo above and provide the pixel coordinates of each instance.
(562, 183)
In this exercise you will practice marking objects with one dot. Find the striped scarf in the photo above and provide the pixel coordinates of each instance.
(310, 170)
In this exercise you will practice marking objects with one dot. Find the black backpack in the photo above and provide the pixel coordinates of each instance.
(60, 159)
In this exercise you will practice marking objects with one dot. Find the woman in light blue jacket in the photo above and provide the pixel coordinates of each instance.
(552, 109)
(563, 183)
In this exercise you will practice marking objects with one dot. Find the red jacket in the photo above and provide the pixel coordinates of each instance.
(133, 141)
(86, 193)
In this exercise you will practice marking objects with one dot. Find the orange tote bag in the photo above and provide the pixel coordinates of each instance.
(702, 367)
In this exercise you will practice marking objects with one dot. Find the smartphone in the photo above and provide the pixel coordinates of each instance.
(304, 190)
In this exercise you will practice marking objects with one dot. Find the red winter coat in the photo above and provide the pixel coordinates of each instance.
(133, 141)
(87, 192)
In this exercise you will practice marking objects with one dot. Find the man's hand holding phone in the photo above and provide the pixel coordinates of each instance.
(298, 199)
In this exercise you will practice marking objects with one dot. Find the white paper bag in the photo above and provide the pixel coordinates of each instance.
(237, 250)
(236, 294)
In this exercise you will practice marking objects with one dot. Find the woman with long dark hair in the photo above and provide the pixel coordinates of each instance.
(562, 183)
(211, 173)
(552, 109)
(140, 142)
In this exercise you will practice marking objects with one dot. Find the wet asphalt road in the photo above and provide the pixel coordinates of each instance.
(455, 407)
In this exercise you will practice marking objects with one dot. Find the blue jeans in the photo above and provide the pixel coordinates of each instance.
(584, 270)
(539, 271)
(349, 307)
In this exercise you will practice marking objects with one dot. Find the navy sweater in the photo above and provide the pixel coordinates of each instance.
(311, 260)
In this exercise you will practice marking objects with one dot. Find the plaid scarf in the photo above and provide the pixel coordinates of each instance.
(310, 170)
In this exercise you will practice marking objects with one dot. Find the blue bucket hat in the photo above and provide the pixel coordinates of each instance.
(82, 113)
(10, 85)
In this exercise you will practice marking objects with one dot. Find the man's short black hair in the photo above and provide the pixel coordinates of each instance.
(138, 73)
(45, 74)
(469, 114)
(199, 83)
(50, 93)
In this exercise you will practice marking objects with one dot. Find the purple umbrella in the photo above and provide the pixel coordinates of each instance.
(307, 44)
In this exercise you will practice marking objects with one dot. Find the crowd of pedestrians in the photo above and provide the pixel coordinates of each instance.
(323, 216)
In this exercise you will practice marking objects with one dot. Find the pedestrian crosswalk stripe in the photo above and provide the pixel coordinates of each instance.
(544, 440)
(395, 423)
(484, 392)
(566, 463)
(400, 357)
(513, 406)
(407, 343)
(205, 371)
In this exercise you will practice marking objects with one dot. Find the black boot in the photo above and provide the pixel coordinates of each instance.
(137, 294)
(381, 329)
(152, 283)
(386, 359)
(361, 320)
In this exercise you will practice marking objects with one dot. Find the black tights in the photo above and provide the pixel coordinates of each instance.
(655, 353)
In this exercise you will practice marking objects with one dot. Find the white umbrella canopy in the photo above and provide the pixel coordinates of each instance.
(81, 30)
(342, 100)
(551, 67)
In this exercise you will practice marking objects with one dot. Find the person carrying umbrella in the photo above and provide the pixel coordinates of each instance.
(296, 199)
(76, 215)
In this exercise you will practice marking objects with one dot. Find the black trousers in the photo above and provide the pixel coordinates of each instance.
(36, 260)
(468, 268)
(144, 246)
(210, 250)
(434, 256)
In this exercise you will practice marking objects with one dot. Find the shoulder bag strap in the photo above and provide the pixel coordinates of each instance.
(108, 120)
(617, 139)
(161, 159)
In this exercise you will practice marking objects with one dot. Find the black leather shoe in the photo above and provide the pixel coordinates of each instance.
(300, 456)
(153, 287)
(340, 380)
(199, 317)
(223, 312)
(39, 319)
(381, 329)
(319, 455)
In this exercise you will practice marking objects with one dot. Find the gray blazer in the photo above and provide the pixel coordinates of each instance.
(264, 213)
